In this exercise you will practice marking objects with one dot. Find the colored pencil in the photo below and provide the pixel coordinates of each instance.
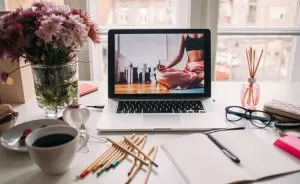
(138, 167)
(108, 157)
(125, 150)
(124, 155)
(113, 158)
(135, 161)
(89, 168)
(145, 155)
(150, 166)
(119, 154)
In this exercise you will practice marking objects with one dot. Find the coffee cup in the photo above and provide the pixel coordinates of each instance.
(53, 148)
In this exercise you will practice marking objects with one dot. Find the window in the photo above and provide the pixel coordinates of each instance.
(272, 25)
(131, 14)
(10, 5)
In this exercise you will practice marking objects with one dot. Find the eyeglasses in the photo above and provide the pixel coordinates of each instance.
(260, 119)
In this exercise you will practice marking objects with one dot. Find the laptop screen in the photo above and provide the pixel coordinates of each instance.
(160, 63)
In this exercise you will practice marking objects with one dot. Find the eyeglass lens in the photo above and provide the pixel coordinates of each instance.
(260, 119)
(235, 113)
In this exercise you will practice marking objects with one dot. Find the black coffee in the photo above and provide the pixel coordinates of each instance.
(52, 140)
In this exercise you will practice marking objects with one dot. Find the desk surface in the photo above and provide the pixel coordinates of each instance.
(18, 168)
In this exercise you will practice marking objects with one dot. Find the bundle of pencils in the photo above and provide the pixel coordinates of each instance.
(118, 151)
(250, 96)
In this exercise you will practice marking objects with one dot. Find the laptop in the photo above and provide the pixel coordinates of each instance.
(159, 80)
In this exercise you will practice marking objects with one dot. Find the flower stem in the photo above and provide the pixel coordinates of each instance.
(17, 69)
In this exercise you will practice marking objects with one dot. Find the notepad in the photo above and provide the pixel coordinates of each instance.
(199, 160)
(290, 144)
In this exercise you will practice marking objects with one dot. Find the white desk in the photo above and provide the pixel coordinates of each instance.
(17, 168)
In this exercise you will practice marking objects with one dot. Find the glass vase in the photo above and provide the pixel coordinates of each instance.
(250, 94)
(55, 86)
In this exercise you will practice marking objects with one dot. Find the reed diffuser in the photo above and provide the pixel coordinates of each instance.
(250, 90)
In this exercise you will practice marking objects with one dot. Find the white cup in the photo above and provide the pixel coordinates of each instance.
(56, 159)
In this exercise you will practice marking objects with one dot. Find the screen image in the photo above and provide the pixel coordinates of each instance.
(159, 63)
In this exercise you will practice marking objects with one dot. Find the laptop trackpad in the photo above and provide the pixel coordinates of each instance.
(161, 119)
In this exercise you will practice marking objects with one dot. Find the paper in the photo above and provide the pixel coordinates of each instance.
(200, 160)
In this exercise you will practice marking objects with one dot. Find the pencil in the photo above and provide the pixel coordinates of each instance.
(138, 167)
(108, 156)
(112, 158)
(150, 166)
(135, 161)
(89, 168)
(113, 161)
(124, 155)
(129, 141)
(119, 154)
(125, 150)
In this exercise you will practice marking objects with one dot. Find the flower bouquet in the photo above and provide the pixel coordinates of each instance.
(48, 37)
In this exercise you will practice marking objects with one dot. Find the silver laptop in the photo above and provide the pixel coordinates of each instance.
(159, 80)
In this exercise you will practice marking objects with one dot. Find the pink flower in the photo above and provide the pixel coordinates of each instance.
(44, 28)
(50, 27)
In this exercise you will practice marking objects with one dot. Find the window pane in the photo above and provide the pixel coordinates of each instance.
(231, 60)
(266, 13)
(139, 12)
(10, 5)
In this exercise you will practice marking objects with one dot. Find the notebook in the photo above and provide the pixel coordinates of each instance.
(86, 89)
(200, 161)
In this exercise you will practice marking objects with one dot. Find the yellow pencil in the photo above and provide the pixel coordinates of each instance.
(125, 150)
(145, 155)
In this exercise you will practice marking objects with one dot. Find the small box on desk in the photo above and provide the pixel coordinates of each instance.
(290, 144)
(22, 88)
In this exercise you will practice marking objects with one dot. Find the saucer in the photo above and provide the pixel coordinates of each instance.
(10, 138)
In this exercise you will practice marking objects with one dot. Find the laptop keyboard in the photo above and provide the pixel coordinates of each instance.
(168, 106)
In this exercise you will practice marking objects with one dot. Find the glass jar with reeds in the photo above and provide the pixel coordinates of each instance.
(250, 92)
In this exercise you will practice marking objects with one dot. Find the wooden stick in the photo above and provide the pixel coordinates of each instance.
(135, 160)
(253, 63)
(141, 152)
(138, 168)
(245, 93)
(89, 168)
(248, 97)
(253, 99)
(106, 158)
(248, 62)
(125, 150)
(258, 62)
(150, 166)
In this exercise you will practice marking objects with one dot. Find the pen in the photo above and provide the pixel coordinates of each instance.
(96, 106)
(228, 153)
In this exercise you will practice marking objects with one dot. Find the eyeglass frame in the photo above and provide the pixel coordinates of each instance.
(272, 117)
